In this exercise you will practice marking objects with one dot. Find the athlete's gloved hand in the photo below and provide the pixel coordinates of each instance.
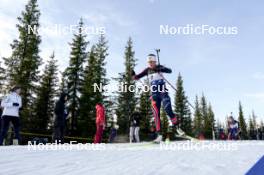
(158, 68)
(15, 104)
(133, 75)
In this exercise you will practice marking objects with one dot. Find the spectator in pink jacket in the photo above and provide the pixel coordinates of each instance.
(100, 122)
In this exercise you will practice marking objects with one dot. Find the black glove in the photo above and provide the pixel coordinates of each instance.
(15, 104)
(158, 68)
(133, 73)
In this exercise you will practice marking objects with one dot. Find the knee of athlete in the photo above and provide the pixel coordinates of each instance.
(168, 110)
(166, 99)
(167, 103)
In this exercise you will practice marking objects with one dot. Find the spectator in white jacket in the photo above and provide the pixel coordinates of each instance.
(11, 104)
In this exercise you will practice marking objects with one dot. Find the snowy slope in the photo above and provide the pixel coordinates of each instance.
(134, 159)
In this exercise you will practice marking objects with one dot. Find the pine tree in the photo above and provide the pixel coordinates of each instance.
(22, 66)
(63, 83)
(3, 90)
(74, 74)
(198, 121)
(87, 107)
(204, 113)
(126, 99)
(207, 118)
(251, 128)
(94, 74)
(204, 107)
(101, 50)
(44, 107)
(242, 123)
(261, 129)
(182, 108)
(211, 122)
(254, 120)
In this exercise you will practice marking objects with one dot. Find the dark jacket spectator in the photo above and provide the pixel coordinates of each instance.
(60, 119)
(135, 119)
(134, 127)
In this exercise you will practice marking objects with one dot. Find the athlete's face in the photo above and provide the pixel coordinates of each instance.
(230, 119)
(152, 64)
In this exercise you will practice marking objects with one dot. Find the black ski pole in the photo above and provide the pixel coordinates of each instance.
(157, 51)
(176, 90)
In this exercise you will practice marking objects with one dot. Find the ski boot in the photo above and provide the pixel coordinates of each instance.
(158, 139)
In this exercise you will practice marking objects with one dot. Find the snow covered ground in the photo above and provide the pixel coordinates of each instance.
(113, 159)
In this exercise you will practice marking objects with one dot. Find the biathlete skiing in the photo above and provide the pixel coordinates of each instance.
(159, 93)
(233, 129)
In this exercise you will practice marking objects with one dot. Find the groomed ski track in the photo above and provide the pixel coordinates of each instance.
(133, 159)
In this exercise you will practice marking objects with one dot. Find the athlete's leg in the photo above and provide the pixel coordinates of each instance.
(166, 101)
(156, 104)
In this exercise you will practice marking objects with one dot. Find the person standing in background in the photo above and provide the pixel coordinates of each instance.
(1, 112)
(134, 127)
(113, 132)
(60, 119)
(114, 128)
(11, 104)
(100, 122)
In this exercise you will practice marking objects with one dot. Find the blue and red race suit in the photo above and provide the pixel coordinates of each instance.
(233, 130)
(159, 93)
